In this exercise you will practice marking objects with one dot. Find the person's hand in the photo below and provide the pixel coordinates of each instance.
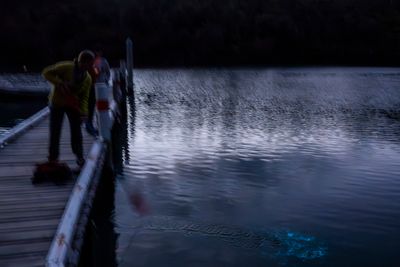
(84, 118)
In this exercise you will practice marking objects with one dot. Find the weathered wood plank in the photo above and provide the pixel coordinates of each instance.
(11, 238)
(21, 250)
(29, 214)
(24, 261)
(23, 161)
(29, 190)
(15, 171)
(25, 226)
(26, 182)
(34, 206)
(4, 200)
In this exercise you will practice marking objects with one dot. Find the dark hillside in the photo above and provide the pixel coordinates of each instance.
(203, 32)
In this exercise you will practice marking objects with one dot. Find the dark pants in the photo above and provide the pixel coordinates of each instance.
(56, 121)
(91, 105)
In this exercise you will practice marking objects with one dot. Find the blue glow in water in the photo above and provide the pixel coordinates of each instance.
(300, 246)
(313, 150)
(283, 246)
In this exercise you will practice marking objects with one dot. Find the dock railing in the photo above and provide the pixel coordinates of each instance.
(67, 242)
(24, 126)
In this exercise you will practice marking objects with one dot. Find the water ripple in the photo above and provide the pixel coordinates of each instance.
(311, 150)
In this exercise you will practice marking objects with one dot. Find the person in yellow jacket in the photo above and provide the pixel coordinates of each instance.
(69, 95)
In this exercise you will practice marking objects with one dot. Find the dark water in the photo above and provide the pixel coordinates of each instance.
(252, 167)
(14, 110)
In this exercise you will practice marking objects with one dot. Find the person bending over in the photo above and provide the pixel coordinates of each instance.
(69, 95)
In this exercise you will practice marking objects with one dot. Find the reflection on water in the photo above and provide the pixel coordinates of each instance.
(305, 161)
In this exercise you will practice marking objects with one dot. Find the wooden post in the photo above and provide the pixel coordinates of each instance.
(122, 76)
(129, 65)
(116, 87)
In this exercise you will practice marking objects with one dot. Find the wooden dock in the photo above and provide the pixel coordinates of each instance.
(30, 214)
(44, 224)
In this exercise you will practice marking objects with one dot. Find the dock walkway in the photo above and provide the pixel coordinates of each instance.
(30, 214)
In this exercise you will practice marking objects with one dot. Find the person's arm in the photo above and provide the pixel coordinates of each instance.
(84, 95)
(54, 73)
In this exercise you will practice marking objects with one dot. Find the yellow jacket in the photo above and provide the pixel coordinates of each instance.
(65, 71)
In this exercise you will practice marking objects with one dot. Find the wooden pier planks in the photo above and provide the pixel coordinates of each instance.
(29, 215)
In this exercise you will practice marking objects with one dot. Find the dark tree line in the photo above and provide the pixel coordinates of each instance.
(203, 32)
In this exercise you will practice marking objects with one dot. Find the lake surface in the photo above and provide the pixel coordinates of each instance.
(261, 167)
(256, 167)
(15, 110)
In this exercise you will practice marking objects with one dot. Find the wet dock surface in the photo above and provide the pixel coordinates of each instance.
(30, 214)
